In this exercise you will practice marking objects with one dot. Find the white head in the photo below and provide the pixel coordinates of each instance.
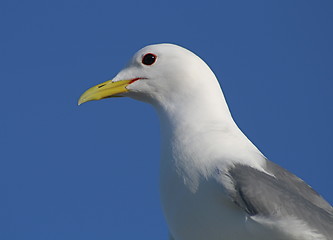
(167, 76)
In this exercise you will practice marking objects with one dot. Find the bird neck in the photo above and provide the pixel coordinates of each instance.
(199, 136)
(194, 114)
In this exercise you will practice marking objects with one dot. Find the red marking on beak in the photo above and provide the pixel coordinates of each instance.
(135, 79)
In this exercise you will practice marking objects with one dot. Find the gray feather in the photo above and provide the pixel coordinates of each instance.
(282, 194)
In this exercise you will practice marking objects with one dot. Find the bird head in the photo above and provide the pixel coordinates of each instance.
(158, 73)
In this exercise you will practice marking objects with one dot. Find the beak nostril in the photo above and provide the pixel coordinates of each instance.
(102, 85)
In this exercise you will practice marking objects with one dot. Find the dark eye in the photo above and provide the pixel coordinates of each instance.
(149, 59)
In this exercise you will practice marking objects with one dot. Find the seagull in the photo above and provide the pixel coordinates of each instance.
(214, 182)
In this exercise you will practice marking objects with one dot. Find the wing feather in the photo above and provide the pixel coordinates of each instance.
(278, 195)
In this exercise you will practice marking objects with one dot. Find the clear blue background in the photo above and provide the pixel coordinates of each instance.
(91, 172)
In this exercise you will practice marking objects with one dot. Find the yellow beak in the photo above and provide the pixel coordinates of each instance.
(105, 90)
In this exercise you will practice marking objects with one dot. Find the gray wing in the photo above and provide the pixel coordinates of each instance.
(283, 193)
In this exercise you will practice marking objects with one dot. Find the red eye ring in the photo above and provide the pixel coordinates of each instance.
(149, 59)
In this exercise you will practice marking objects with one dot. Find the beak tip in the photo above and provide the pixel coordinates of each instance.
(81, 100)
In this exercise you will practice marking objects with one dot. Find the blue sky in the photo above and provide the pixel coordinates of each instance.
(91, 172)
